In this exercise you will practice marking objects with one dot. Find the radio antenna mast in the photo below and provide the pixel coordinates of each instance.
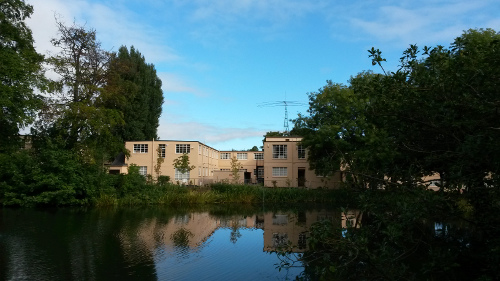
(286, 104)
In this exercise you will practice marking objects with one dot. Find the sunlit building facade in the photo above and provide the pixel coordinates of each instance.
(281, 163)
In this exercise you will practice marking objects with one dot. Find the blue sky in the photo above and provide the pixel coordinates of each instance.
(219, 59)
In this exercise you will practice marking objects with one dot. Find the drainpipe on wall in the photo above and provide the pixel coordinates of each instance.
(152, 157)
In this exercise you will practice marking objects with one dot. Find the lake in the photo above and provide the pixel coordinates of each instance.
(155, 243)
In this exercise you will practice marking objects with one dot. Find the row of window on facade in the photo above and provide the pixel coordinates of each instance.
(280, 151)
(207, 151)
(179, 149)
(143, 170)
(259, 172)
(242, 156)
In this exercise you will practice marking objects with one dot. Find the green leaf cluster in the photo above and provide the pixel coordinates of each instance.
(97, 100)
(136, 92)
(20, 72)
(182, 163)
(438, 113)
(48, 176)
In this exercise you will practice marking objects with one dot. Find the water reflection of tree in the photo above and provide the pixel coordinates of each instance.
(98, 244)
(235, 233)
(181, 237)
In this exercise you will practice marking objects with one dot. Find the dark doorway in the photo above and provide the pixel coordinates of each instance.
(301, 178)
(248, 178)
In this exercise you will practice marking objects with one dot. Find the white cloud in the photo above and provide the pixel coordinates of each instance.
(269, 10)
(205, 133)
(427, 22)
(220, 22)
(172, 83)
(115, 26)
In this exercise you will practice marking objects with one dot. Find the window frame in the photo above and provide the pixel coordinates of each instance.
(225, 154)
(143, 170)
(178, 176)
(280, 151)
(182, 148)
(242, 155)
(260, 172)
(279, 172)
(260, 154)
(141, 148)
(163, 148)
(301, 151)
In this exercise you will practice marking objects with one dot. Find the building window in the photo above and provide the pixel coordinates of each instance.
(143, 170)
(301, 152)
(279, 151)
(302, 243)
(140, 148)
(225, 155)
(260, 172)
(280, 219)
(182, 148)
(181, 176)
(280, 171)
(242, 156)
(161, 150)
(199, 149)
(258, 156)
(280, 240)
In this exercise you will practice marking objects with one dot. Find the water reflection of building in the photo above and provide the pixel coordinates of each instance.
(351, 218)
(281, 230)
(196, 227)
(289, 231)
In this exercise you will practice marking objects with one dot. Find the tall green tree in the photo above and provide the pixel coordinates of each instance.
(139, 94)
(77, 111)
(20, 71)
(445, 108)
(438, 113)
(339, 135)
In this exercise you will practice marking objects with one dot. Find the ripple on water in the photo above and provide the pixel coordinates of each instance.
(222, 258)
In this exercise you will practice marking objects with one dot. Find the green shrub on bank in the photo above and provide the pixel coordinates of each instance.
(171, 194)
(54, 177)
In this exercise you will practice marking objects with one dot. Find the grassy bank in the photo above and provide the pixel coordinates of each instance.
(218, 194)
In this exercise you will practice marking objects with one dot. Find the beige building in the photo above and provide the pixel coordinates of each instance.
(285, 165)
(282, 163)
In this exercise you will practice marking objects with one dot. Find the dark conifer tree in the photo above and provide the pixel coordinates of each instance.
(140, 97)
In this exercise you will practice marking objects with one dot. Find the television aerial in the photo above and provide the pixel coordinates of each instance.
(285, 104)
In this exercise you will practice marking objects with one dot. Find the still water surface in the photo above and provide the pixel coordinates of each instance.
(153, 243)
